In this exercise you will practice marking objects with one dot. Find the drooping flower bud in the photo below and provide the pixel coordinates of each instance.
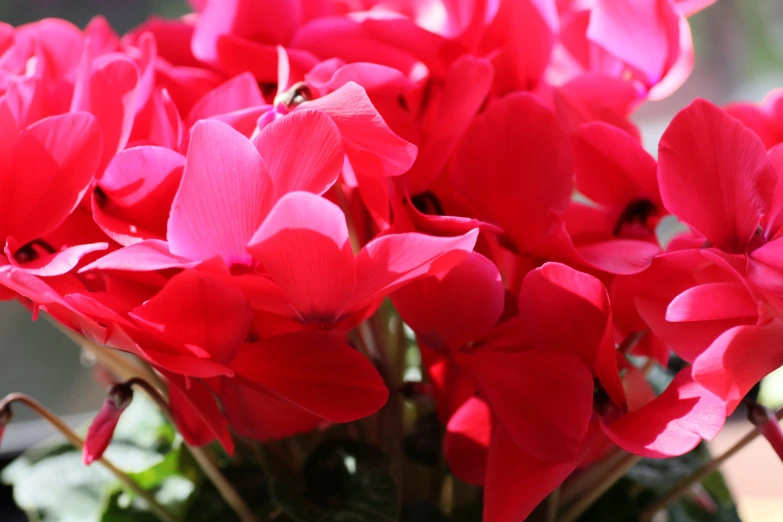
(5, 419)
(768, 425)
(102, 428)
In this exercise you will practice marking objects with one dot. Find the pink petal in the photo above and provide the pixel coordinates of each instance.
(240, 92)
(198, 311)
(517, 481)
(266, 20)
(145, 256)
(139, 184)
(388, 262)
(672, 424)
(711, 302)
(452, 309)
(303, 245)
(544, 398)
(224, 195)
(372, 148)
(316, 371)
(302, 151)
(714, 175)
(196, 414)
(564, 309)
(679, 68)
(512, 176)
(636, 33)
(55, 264)
(691, 7)
(620, 256)
(52, 164)
(237, 102)
(738, 359)
(467, 439)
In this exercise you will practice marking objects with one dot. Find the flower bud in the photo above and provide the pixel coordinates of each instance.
(768, 425)
(102, 428)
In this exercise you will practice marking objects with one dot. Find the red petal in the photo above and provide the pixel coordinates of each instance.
(303, 245)
(714, 175)
(450, 310)
(711, 302)
(388, 262)
(543, 398)
(316, 371)
(199, 312)
(564, 309)
(516, 481)
(672, 424)
(612, 168)
(261, 415)
(52, 164)
(372, 148)
(467, 439)
(224, 195)
(109, 92)
(516, 176)
(739, 359)
(465, 89)
(302, 151)
(196, 413)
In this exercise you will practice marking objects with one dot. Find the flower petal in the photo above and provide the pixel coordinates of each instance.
(711, 302)
(543, 398)
(714, 175)
(198, 311)
(738, 359)
(388, 262)
(672, 424)
(452, 309)
(467, 439)
(224, 195)
(302, 151)
(316, 371)
(372, 147)
(303, 245)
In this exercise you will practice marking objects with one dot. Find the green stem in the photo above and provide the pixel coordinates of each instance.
(77, 442)
(584, 502)
(205, 462)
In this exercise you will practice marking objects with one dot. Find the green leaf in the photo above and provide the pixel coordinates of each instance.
(51, 483)
(345, 481)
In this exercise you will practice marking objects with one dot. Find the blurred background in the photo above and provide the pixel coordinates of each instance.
(739, 49)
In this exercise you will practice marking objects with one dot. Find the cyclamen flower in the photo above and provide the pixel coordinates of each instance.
(102, 428)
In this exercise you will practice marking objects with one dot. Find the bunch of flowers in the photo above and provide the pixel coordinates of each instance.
(231, 198)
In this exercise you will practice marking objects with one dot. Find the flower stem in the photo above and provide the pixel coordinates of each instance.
(205, 462)
(685, 484)
(584, 502)
(157, 509)
(553, 505)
